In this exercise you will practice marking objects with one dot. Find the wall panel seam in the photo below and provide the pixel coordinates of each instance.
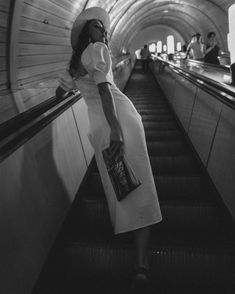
(214, 135)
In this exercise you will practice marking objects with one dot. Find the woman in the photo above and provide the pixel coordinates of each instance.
(212, 49)
(114, 122)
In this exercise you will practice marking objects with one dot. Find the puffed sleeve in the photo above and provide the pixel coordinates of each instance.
(97, 61)
(66, 82)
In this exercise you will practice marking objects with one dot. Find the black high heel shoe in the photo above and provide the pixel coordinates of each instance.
(141, 282)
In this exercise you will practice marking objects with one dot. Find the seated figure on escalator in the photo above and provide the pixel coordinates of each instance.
(113, 122)
(212, 49)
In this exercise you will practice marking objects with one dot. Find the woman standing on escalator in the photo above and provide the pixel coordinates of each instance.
(212, 49)
(115, 122)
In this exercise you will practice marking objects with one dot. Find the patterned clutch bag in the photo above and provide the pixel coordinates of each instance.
(121, 175)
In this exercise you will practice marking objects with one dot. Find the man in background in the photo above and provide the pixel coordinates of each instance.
(145, 55)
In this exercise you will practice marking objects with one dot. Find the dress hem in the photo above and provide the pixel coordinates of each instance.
(138, 227)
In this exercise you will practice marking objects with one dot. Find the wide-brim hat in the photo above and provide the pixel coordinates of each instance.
(83, 17)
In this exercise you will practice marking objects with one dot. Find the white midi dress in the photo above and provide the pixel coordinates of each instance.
(141, 207)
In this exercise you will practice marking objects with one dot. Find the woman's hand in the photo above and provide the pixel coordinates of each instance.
(60, 92)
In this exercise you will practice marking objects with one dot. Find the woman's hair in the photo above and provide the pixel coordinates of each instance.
(82, 43)
(198, 36)
(210, 34)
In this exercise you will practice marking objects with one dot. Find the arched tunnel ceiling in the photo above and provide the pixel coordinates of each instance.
(38, 27)
(154, 34)
(187, 26)
(130, 18)
(36, 33)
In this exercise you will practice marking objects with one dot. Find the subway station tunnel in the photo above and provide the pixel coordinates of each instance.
(56, 235)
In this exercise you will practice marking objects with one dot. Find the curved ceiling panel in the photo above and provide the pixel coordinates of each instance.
(180, 11)
(48, 23)
(156, 13)
(108, 5)
(153, 34)
(130, 17)
(151, 17)
(223, 4)
(185, 30)
(132, 7)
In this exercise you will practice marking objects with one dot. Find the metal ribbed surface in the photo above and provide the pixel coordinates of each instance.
(191, 250)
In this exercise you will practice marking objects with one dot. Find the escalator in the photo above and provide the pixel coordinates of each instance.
(192, 249)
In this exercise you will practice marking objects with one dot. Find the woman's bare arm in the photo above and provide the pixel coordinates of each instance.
(116, 136)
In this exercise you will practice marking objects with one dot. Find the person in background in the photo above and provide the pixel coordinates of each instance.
(184, 47)
(212, 49)
(113, 122)
(196, 48)
(145, 55)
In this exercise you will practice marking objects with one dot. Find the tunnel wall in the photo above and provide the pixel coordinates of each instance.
(7, 105)
(35, 38)
(38, 184)
(4, 32)
(209, 124)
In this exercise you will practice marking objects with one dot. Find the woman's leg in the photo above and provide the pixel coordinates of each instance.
(142, 238)
(140, 284)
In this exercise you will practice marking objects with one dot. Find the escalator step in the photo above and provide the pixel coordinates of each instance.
(167, 148)
(169, 187)
(181, 164)
(152, 101)
(157, 118)
(154, 111)
(175, 187)
(187, 221)
(160, 287)
(160, 125)
(150, 107)
(160, 135)
(109, 260)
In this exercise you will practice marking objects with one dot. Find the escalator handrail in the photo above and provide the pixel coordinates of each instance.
(18, 130)
(14, 124)
(209, 87)
(122, 61)
(209, 65)
(218, 90)
(19, 121)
